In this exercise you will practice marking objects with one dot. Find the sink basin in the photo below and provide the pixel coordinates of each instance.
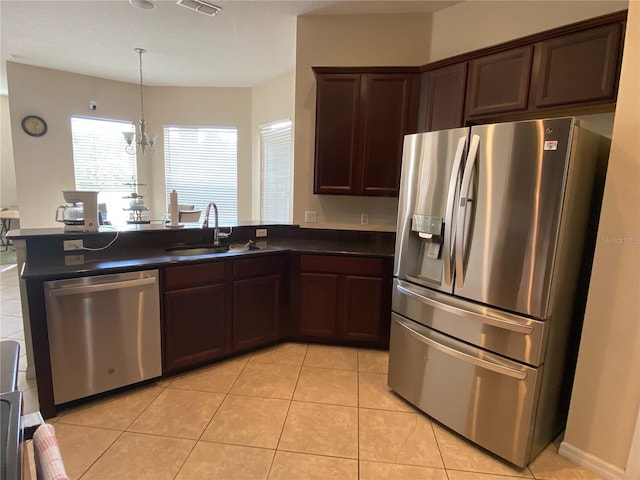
(243, 247)
(198, 250)
(208, 249)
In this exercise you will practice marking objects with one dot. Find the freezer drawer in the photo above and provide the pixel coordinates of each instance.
(104, 333)
(514, 336)
(485, 398)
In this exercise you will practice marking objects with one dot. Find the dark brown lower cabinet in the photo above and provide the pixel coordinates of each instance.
(362, 315)
(345, 299)
(196, 311)
(319, 304)
(195, 325)
(259, 300)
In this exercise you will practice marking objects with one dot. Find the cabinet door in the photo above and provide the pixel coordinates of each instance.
(318, 305)
(442, 95)
(337, 126)
(195, 325)
(362, 312)
(386, 113)
(257, 306)
(577, 68)
(499, 83)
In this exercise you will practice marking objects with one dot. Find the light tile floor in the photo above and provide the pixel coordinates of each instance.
(293, 411)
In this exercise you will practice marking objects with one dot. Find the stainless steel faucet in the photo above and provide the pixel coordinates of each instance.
(217, 234)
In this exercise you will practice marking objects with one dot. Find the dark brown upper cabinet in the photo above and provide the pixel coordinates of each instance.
(442, 93)
(362, 116)
(337, 126)
(578, 68)
(499, 83)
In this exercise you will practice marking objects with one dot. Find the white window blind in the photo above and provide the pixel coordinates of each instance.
(201, 164)
(275, 157)
(101, 163)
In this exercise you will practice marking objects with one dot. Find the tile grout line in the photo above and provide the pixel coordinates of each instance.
(358, 409)
(226, 395)
(122, 432)
(287, 414)
(101, 455)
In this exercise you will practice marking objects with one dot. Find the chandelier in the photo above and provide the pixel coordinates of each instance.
(144, 141)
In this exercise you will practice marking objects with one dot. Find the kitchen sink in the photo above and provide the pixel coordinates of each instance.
(208, 249)
(198, 250)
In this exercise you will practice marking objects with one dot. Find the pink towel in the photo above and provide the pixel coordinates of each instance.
(48, 461)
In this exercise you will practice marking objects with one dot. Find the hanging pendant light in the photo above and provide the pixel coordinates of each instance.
(144, 141)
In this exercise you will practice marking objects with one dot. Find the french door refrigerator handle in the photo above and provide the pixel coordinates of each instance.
(495, 322)
(100, 287)
(462, 209)
(448, 219)
(465, 357)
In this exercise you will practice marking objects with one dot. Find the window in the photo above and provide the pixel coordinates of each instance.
(201, 164)
(101, 163)
(275, 158)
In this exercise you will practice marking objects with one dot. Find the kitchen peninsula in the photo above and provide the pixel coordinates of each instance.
(324, 286)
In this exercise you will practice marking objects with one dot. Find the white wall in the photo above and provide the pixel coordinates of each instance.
(44, 165)
(272, 101)
(606, 391)
(472, 25)
(201, 106)
(348, 40)
(8, 194)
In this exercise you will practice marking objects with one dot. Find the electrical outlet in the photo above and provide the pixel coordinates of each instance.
(364, 219)
(261, 232)
(70, 245)
(310, 217)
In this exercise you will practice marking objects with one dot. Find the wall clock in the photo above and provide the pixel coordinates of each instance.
(34, 125)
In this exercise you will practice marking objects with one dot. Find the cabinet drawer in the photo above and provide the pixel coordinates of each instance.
(339, 264)
(190, 275)
(258, 266)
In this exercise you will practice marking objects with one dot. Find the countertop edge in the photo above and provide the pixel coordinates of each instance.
(158, 258)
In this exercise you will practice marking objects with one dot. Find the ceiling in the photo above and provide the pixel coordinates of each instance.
(247, 43)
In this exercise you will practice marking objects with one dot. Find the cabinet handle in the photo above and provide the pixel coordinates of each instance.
(462, 209)
(448, 219)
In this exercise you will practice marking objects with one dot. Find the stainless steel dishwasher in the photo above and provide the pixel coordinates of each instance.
(104, 332)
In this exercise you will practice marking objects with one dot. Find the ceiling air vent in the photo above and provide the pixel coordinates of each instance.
(200, 6)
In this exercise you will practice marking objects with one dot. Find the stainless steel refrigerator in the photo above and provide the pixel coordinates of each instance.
(492, 222)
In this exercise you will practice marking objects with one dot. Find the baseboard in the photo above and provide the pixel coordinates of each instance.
(30, 373)
(591, 462)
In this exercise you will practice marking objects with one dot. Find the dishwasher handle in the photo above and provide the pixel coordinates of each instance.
(101, 287)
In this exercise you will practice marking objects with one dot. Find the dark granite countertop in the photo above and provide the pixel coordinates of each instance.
(138, 255)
